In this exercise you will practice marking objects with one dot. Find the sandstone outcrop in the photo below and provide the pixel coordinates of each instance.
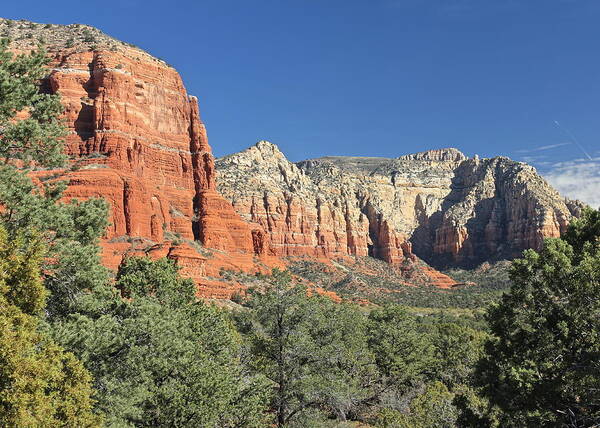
(137, 140)
(439, 205)
(300, 215)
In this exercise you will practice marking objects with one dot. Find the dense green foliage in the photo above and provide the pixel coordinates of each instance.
(40, 383)
(543, 362)
(331, 362)
(402, 353)
(159, 357)
(431, 408)
(312, 350)
(20, 260)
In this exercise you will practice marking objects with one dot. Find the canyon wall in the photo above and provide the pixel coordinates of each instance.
(439, 205)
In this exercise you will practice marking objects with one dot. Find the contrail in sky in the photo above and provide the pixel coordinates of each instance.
(570, 134)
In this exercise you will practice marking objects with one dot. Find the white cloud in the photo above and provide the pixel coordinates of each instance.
(577, 179)
(542, 148)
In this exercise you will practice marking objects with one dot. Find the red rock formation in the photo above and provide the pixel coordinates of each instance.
(138, 141)
(437, 278)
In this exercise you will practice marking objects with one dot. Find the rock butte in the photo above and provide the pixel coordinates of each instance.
(137, 140)
(143, 148)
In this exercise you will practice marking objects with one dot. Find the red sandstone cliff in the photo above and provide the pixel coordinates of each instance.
(143, 148)
(137, 140)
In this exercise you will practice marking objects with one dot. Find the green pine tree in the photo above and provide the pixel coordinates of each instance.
(159, 357)
(542, 364)
(311, 349)
(41, 385)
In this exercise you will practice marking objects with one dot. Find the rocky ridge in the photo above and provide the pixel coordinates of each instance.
(25, 35)
(300, 216)
(449, 154)
(439, 205)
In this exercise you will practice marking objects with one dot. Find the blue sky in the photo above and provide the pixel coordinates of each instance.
(377, 77)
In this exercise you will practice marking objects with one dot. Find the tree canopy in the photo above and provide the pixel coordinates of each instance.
(543, 361)
(158, 356)
(40, 384)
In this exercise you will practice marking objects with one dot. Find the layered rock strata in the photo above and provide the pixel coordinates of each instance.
(136, 139)
(300, 215)
(439, 205)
